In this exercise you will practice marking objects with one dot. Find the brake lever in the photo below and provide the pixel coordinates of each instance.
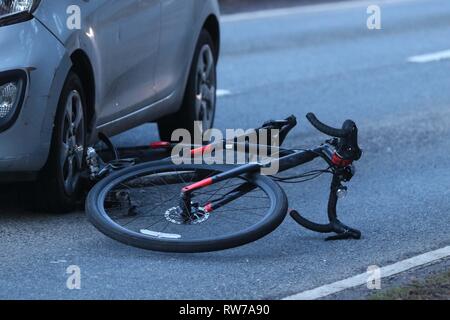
(284, 126)
(347, 144)
(279, 124)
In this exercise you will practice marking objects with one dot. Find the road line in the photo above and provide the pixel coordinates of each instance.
(223, 93)
(58, 261)
(430, 57)
(361, 279)
(263, 14)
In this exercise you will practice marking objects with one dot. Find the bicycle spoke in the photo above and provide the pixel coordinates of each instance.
(152, 202)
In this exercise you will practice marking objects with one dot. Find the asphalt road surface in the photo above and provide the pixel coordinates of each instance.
(325, 61)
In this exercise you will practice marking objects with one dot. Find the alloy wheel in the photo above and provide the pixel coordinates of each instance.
(73, 139)
(205, 87)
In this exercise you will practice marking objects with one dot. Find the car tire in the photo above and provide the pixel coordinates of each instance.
(199, 103)
(60, 183)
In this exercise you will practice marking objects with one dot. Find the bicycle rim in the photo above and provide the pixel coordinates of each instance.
(140, 206)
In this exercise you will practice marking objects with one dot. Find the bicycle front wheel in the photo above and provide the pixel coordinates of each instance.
(140, 206)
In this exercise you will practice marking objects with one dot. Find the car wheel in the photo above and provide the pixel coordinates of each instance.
(199, 103)
(59, 186)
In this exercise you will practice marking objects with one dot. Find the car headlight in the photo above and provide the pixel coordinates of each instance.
(12, 90)
(13, 11)
(8, 98)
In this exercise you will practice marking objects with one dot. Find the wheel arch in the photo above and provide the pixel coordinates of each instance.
(212, 25)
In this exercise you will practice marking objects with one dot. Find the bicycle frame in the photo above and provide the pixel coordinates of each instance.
(342, 169)
(287, 161)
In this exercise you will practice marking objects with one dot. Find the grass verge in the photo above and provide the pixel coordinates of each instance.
(436, 287)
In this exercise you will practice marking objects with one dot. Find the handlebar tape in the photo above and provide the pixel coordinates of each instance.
(333, 132)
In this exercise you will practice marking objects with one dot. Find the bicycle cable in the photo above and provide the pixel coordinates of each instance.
(304, 177)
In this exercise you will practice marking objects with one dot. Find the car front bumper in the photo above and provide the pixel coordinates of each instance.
(30, 47)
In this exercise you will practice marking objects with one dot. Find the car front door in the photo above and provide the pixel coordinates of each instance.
(177, 28)
(131, 59)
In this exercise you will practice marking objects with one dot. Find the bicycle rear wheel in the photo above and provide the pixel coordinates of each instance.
(139, 206)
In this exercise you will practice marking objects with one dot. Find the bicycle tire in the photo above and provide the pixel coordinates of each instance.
(99, 218)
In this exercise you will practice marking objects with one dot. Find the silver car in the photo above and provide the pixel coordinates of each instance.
(70, 69)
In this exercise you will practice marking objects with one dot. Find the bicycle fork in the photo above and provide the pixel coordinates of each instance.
(186, 193)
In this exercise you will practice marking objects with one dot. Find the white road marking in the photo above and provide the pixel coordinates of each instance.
(430, 57)
(362, 278)
(263, 14)
(223, 93)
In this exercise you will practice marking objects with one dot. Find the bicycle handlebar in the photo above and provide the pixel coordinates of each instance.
(348, 147)
(333, 132)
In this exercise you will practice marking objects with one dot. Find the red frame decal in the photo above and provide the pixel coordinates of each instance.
(198, 185)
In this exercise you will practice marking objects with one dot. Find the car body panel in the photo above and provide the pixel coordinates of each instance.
(123, 56)
(25, 146)
(140, 52)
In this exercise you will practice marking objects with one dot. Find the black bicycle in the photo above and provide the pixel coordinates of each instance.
(197, 207)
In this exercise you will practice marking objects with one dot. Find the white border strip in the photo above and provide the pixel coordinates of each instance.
(323, 7)
(431, 57)
(362, 278)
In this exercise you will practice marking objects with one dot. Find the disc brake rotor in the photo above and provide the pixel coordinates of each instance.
(176, 215)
